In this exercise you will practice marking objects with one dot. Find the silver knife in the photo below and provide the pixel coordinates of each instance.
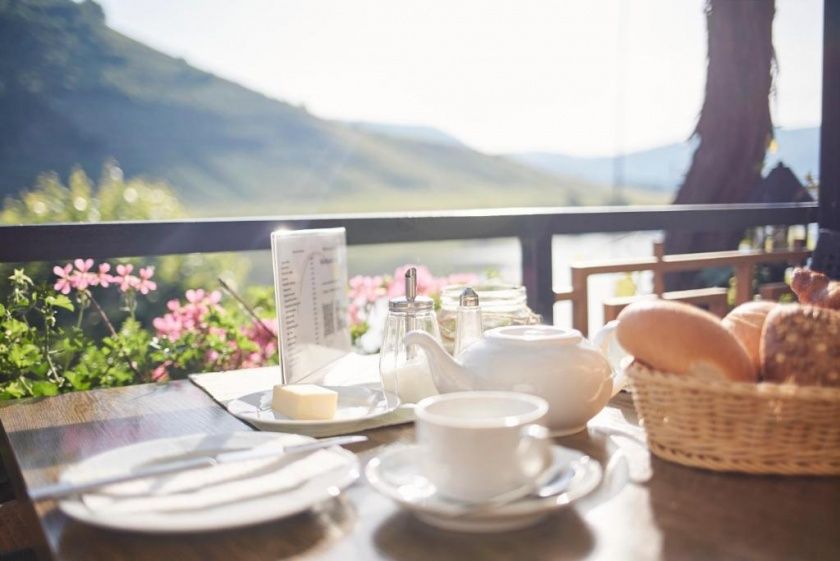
(61, 490)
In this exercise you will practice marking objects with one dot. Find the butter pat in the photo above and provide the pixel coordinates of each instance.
(304, 402)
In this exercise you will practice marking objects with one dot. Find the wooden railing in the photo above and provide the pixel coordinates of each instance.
(743, 264)
(533, 227)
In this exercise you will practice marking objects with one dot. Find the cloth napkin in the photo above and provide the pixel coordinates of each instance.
(217, 485)
(351, 370)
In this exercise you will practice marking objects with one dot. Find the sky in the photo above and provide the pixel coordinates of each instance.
(580, 77)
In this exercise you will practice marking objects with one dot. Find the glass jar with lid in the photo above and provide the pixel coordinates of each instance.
(501, 304)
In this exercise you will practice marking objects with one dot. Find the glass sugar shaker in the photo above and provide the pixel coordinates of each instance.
(468, 328)
(404, 369)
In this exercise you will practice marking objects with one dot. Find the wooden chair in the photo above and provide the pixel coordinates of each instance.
(713, 299)
(774, 291)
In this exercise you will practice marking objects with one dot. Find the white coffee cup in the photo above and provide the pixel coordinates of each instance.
(477, 445)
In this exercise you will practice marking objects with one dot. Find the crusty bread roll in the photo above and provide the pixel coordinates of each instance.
(815, 288)
(745, 323)
(801, 344)
(683, 339)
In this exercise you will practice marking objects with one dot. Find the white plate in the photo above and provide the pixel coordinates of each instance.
(355, 403)
(396, 473)
(252, 508)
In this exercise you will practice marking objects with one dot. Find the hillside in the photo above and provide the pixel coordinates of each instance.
(75, 92)
(663, 168)
(419, 133)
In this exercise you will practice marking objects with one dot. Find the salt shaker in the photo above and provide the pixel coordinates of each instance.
(405, 369)
(468, 328)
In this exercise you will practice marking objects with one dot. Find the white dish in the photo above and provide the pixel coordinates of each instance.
(355, 403)
(103, 508)
(396, 473)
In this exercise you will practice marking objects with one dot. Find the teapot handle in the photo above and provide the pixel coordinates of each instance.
(607, 343)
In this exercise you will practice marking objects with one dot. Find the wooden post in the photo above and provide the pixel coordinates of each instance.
(744, 274)
(537, 275)
(658, 276)
(580, 303)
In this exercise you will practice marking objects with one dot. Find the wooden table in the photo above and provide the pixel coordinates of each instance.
(678, 514)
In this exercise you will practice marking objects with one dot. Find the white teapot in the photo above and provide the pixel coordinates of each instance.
(556, 364)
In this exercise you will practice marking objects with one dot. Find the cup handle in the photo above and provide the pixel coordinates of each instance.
(535, 448)
(605, 338)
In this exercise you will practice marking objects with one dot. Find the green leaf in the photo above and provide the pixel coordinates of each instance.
(24, 356)
(15, 328)
(78, 380)
(40, 389)
(13, 390)
(60, 301)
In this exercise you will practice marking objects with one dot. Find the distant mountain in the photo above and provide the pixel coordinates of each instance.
(73, 91)
(663, 168)
(420, 133)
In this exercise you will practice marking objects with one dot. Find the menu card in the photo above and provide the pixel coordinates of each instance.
(310, 286)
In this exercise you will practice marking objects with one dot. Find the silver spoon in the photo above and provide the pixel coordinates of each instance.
(552, 482)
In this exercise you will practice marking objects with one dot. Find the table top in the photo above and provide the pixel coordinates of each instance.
(678, 513)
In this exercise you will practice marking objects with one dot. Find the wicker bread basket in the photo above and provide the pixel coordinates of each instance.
(731, 426)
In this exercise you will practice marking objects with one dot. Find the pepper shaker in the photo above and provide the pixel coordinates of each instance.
(468, 327)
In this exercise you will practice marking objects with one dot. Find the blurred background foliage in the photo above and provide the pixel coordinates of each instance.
(115, 198)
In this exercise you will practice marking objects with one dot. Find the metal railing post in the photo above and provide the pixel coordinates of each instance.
(537, 275)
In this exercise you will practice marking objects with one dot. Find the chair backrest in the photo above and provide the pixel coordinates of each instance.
(826, 256)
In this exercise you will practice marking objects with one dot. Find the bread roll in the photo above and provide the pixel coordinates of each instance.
(801, 344)
(683, 339)
(815, 288)
(745, 323)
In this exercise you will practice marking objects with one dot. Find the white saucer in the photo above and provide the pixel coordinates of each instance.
(355, 403)
(396, 473)
(104, 508)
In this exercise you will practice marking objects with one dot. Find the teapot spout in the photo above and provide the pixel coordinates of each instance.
(447, 374)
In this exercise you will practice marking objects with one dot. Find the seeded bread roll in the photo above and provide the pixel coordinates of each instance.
(815, 288)
(683, 339)
(801, 344)
(745, 323)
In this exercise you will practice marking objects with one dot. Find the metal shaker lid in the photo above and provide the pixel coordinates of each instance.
(468, 299)
(411, 303)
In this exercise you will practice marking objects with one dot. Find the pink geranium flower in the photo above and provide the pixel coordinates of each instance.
(367, 289)
(192, 316)
(161, 373)
(144, 284)
(265, 337)
(82, 276)
(124, 278)
(168, 325)
(186, 317)
(103, 278)
(65, 280)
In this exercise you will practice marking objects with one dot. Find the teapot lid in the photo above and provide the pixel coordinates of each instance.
(535, 334)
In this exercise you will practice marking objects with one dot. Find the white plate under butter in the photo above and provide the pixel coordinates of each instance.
(129, 506)
(396, 473)
(355, 403)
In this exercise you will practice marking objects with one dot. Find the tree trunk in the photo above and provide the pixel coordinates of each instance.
(734, 128)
